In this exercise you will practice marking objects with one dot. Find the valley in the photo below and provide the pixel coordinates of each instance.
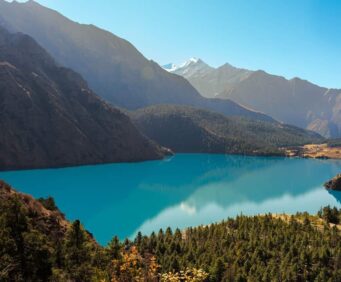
(294, 101)
(116, 167)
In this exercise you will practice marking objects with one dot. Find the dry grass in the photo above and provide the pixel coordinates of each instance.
(314, 220)
(316, 151)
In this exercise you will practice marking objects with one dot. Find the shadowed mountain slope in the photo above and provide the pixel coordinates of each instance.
(185, 129)
(112, 66)
(49, 117)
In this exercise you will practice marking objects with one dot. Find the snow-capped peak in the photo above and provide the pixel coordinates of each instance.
(189, 67)
(189, 62)
(193, 66)
(173, 67)
(170, 67)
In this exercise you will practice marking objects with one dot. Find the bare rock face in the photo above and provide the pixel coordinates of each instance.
(334, 183)
(50, 118)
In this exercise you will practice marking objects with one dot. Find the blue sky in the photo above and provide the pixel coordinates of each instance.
(291, 38)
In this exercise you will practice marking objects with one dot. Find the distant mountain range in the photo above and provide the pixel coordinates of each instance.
(189, 130)
(192, 68)
(294, 101)
(112, 66)
(49, 117)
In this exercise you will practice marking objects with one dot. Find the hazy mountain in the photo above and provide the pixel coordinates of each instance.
(191, 68)
(49, 117)
(294, 101)
(170, 67)
(113, 67)
(209, 81)
(186, 129)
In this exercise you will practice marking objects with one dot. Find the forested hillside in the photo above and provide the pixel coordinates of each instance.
(189, 130)
(50, 118)
(38, 244)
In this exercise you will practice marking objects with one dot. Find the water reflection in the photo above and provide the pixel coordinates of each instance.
(336, 195)
(182, 191)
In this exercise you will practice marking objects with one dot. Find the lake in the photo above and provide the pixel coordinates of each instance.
(181, 191)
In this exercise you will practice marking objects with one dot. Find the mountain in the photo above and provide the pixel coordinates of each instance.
(169, 67)
(49, 117)
(294, 101)
(209, 81)
(112, 66)
(192, 67)
(186, 129)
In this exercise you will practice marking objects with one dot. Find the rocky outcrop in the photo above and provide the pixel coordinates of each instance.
(334, 183)
(50, 222)
(50, 118)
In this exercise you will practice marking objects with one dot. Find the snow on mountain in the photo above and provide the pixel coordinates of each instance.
(189, 68)
(170, 67)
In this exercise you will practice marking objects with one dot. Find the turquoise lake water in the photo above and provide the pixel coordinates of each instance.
(184, 190)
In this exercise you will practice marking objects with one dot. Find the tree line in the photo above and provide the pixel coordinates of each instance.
(301, 247)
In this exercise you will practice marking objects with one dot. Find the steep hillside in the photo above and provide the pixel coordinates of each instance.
(185, 129)
(37, 244)
(49, 117)
(112, 66)
(48, 219)
(294, 101)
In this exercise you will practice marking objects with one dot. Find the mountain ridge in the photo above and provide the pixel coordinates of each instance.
(112, 66)
(294, 101)
(50, 118)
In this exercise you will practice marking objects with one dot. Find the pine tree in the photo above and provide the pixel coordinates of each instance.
(77, 254)
(114, 248)
(217, 272)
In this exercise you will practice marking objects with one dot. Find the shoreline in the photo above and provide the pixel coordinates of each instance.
(285, 152)
(314, 151)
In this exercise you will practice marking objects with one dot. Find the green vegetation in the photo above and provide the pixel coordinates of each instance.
(48, 203)
(334, 142)
(330, 215)
(189, 130)
(37, 244)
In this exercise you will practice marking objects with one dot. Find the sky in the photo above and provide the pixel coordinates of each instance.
(292, 38)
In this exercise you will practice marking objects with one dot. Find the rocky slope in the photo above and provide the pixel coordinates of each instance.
(112, 66)
(334, 183)
(185, 129)
(37, 243)
(49, 117)
(294, 101)
(50, 222)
